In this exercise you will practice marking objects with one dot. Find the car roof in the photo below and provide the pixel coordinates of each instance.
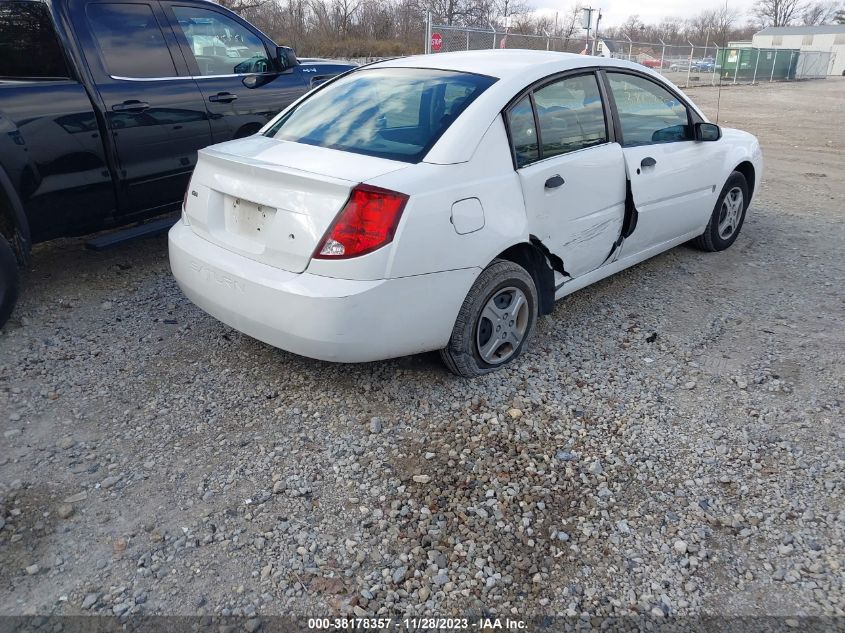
(504, 63)
(515, 70)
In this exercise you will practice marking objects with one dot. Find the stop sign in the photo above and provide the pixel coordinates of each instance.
(436, 42)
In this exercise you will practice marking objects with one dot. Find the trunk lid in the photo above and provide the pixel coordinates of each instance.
(272, 201)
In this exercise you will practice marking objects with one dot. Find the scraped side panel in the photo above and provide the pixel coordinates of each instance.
(580, 220)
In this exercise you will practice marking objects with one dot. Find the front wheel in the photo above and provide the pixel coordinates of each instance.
(728, 216)
(9, 280)
(495, 322)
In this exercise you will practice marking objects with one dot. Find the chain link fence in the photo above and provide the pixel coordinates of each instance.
(685, 64)
(447, 39)
(815, 65)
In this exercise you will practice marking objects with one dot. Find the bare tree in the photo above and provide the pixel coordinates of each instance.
(342, 12)
(713, 26)
(241, 6)
(698, 27)
(746, 32)
(778, 12)
(504, 8)
(819, 13)
(669, 30)
(449, 11)
(632, 28)
(376, 19)
(380, 28)
(570, 23)
(724, 21)
(409, 18)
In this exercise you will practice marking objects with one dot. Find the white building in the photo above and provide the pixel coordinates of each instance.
(829, 38)
(607, 48)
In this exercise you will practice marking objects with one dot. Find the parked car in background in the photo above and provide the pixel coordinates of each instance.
(697, 65)
(652, 63)
(704, 65)
(104, 104)
(443, 202)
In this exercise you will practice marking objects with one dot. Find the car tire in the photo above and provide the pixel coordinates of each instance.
(728, 216)
(487, 335)
(9, 280)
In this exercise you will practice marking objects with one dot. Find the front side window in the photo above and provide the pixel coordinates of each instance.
(130, 40)
(648, 113)
(220, 45)
(571, 115)
(395, 113)
(28, 45)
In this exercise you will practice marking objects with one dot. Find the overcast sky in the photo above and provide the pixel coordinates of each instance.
(615, 12)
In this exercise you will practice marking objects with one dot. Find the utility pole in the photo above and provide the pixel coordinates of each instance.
(504, 42)
(596, 32)
(587, 23)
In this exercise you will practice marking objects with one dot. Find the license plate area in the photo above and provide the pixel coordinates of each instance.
(247, 219)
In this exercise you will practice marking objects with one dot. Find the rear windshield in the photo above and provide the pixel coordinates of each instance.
(28, 45)
(395, 113)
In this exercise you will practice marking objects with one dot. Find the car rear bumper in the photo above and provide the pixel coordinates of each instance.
(320, 317)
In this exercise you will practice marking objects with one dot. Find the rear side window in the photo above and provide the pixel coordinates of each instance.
(29, 48)
(395, 113)
(523, 132)
(130, 40)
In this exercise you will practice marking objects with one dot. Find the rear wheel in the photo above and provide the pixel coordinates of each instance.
(728, 216)
(495, 322)
(9, 280)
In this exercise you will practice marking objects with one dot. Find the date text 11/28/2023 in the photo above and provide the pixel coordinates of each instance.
(416, 624)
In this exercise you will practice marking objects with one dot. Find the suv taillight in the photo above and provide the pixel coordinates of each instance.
(368, 221)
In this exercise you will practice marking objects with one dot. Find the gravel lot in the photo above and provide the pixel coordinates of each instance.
(672, 444)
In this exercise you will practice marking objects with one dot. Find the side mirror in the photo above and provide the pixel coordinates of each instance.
(707, 132)
(286, 57)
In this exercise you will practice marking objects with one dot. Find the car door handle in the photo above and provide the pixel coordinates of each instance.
(648, 161)
(554, 182)
(223, 97)
(132, 105)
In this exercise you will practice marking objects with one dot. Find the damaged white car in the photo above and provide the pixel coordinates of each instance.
(443, 202)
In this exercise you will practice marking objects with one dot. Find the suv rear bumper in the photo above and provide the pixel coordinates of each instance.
(320, 317)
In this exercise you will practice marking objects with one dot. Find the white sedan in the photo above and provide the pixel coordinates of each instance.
(443, 202)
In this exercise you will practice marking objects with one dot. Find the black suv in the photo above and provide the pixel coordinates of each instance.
(104, 104)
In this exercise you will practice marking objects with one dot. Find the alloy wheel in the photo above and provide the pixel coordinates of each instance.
(731, 213)
(502, 325)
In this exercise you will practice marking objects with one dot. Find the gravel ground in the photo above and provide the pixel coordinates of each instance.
(672, 444)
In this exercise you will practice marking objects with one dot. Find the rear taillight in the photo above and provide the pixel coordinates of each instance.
(368, 221)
